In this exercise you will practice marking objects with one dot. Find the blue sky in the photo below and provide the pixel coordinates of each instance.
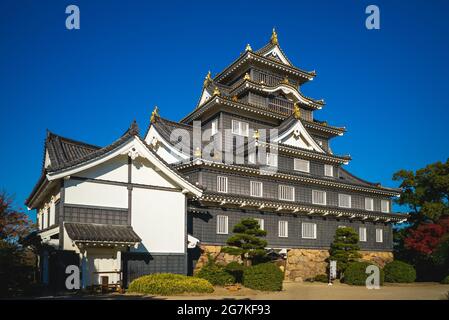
(389, 87)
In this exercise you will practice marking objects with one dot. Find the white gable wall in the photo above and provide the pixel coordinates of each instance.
(95, 194)
(158, 217)
(115, 169)
(143, 172)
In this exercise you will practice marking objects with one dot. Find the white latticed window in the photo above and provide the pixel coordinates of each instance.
(308, 230)
(286, 193)
(272, 159)
(252, 157)
(344, 201)
(214, 127)
(301, 165)
(328, 170)
(222, 224)
(362, 234)
(261, 223)
(256, 189)
(385, 206)
(239, 127)
(318, 197)
(222, 184)
(379, 235)
(283, 229)
(369, 204)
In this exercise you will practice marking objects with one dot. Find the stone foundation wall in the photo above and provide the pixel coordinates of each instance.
(380, 258)
(303, 264)
(300, 265)
(214, 252)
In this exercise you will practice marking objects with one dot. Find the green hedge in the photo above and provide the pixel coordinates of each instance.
(264, 276)
(399, 272)
(445, 280)
(355, 274)
(236, 270)
(169, 284)
(216, 275)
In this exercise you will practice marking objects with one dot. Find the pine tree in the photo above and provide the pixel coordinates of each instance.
(246, 241)
(344, 249)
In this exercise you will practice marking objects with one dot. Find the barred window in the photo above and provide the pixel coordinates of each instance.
(283, 229)
(308, 230)
(222, 184)
(328, 170)
(385, 206)
(272, 159)
(256, 189)
(261, 223)
(344, 201)
(369, 204)
(286, 193)
(379, 235)
(239, 127)
(222, 224)
(319, 197)
(362, 234)
(301, 165)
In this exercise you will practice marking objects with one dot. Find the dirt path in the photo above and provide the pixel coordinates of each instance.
(320, 291)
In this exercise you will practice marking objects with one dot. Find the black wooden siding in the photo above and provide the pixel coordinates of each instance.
(204, 227)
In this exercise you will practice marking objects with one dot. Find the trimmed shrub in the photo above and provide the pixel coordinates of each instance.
(399, 272)
(321, 278)
(216, 275)
(236, 270)
(264, 276)
(445, 280)
(355, 274)
(169, 284)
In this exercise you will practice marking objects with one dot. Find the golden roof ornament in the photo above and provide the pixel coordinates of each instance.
(274, 37)
(248, 48)
(247, 76)
(256, 134)
(285, 81)
(207, 79)
(154, 115)
(197, 153)
(296, 111)
(235, 98)
(216, 91)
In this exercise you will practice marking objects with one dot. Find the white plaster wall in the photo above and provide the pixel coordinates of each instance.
(158, 217)
(101, 263)
(95, 194)
(52, 213)
(143, 172)
(115, 169)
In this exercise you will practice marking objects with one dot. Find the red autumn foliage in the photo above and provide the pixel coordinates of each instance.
(427, 237)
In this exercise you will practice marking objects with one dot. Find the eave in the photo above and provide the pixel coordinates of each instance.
(217, 100)
(250, 55)
(287, 207)
(306, 102)
(331, 130)
(255, 171)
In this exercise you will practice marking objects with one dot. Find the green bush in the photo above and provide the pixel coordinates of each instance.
(445, 280)
(236, 270)
(216, 275)
(264, 276)
(321, 278)
(355, 274)
(400, 272)
(169, 284)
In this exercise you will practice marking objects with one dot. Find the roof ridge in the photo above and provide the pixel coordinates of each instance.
(70, 140)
